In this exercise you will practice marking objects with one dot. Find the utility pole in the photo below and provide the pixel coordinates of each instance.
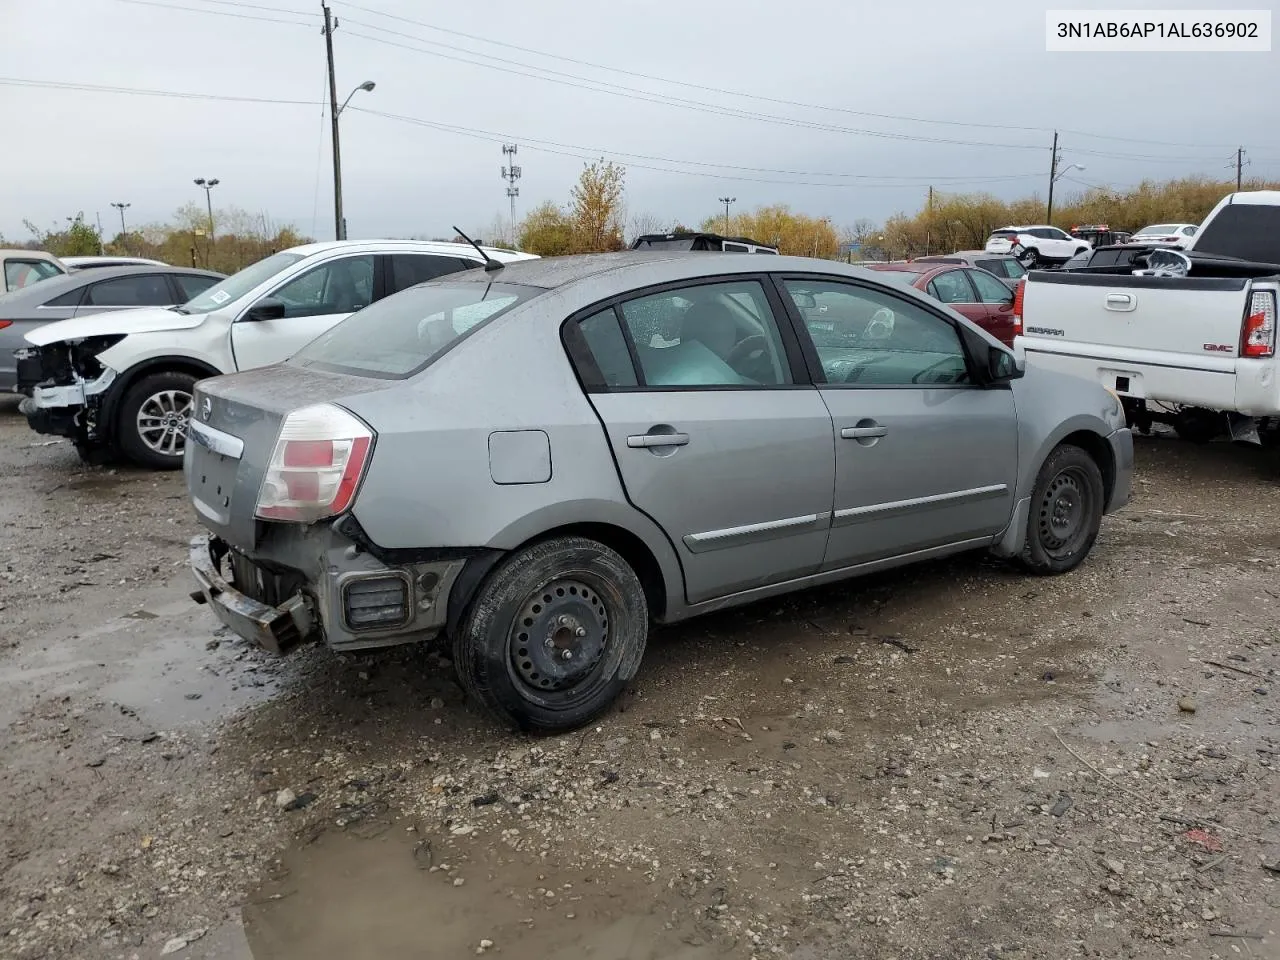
(726, 201)
(339, 224)
(1053, 175)
(98, 217)
(1239, 166)
(511, 173)
(928, 229)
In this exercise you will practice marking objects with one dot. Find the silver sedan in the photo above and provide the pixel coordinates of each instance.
(84, 292)
(540, 460)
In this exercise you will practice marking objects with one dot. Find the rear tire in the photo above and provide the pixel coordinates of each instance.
(1066, 512)
(1030, 258)
(1196, 425)
(553, 636)
(151, 428)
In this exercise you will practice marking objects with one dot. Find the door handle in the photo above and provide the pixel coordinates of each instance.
(658, 440)
(862, 433)
(1119, 301)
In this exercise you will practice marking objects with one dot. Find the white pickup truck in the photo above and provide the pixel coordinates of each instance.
(1188, 339)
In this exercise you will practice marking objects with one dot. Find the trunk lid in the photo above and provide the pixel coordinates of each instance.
(235, 422)
(1201, 317)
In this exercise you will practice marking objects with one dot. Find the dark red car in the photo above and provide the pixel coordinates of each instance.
(980, 296)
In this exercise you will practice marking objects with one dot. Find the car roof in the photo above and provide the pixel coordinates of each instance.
(441, 247)
(7, 252)
(913, 266)
(629, 266)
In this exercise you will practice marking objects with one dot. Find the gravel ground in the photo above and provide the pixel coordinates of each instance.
(954, 760)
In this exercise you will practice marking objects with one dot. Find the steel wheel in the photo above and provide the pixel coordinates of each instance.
(559, 636)
(162, 422)
(1064, 513)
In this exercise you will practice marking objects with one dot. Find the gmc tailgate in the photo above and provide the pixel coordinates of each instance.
(1172, 339)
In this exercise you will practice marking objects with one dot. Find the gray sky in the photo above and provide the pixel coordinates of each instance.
(979, 62)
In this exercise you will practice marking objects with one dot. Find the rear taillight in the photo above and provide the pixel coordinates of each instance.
(1017, 307)
(316, 466)
(1258, 336)
(5, 323)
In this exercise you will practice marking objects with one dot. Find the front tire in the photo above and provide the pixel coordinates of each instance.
(1031, 258)
(554, 635)
(1066, 512)
(152, 427)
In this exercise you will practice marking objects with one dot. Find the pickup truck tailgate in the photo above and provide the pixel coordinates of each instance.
(1165, 315)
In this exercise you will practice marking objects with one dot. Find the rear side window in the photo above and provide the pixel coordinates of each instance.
(71, 298)
(23, 273)
(1244, 230)
(1012, 269)
(397, 337)
(410, 269)
(192, 284)
(604, 340)
(147, 290)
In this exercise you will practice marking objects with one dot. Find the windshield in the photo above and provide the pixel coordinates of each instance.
(397, 337)
(1246, 231)
(1160, 228)
(238, 284)
(23, 273)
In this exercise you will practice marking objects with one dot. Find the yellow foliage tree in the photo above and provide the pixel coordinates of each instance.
(596, 207)
(794, 234)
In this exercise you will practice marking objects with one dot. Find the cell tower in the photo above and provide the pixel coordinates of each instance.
(511, 173)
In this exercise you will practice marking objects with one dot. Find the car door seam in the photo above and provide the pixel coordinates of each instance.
(875, 511)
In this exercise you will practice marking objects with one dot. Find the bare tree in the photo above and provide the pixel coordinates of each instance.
(644, 223)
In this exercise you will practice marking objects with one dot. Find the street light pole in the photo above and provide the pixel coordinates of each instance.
(207, 186)
(124, 234)
(726, 201)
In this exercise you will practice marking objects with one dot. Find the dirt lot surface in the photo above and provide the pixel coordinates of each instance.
(950, 761)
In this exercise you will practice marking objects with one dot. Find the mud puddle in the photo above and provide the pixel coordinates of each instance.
(348, 897)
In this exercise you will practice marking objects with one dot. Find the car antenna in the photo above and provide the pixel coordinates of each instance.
(490, 264)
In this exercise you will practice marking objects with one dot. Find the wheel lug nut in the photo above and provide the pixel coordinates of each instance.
(580, 632)
(566, 655)
(548, 643)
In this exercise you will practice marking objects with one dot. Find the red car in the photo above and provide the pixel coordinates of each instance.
(977, 295)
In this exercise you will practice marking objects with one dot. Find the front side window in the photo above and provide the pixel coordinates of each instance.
(340, 286)
(147, 290)
(715, 334)
(1013, 269)
(952, 287)
(23, 273)
(871, 338)
(398, 336)
(990, 290)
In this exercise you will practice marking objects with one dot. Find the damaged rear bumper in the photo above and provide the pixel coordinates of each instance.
(275, 628)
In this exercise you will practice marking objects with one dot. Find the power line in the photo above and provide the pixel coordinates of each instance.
(216, 13)
(140, 92)
(588, 153)
(632, 93)
(736, 93)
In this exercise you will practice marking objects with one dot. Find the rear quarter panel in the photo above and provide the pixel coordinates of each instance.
(430, 484)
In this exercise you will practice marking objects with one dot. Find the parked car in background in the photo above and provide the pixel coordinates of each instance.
(21, 268)
(394, 480)
(700, 241)
(1037, 245)
(1190, 340)
(93, 263)
(1004, 266)
(81, 293)
(1179, 233)
(1099, 234)
(976, 295)
(121, 383)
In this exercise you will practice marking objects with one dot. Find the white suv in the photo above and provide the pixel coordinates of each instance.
(121, 383)
(1037, 244)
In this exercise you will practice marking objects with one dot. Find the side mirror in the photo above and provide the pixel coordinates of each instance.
(1003, 366)
(268, 308)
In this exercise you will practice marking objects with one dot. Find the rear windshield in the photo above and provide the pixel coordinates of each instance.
(1160, 228)
(397, 337)
(1247, 231)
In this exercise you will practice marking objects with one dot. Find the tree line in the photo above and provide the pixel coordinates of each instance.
(595, 220)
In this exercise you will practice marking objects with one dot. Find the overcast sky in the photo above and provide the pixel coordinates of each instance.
(978, 62)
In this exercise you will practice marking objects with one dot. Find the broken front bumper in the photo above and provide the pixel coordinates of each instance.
(275, 628)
